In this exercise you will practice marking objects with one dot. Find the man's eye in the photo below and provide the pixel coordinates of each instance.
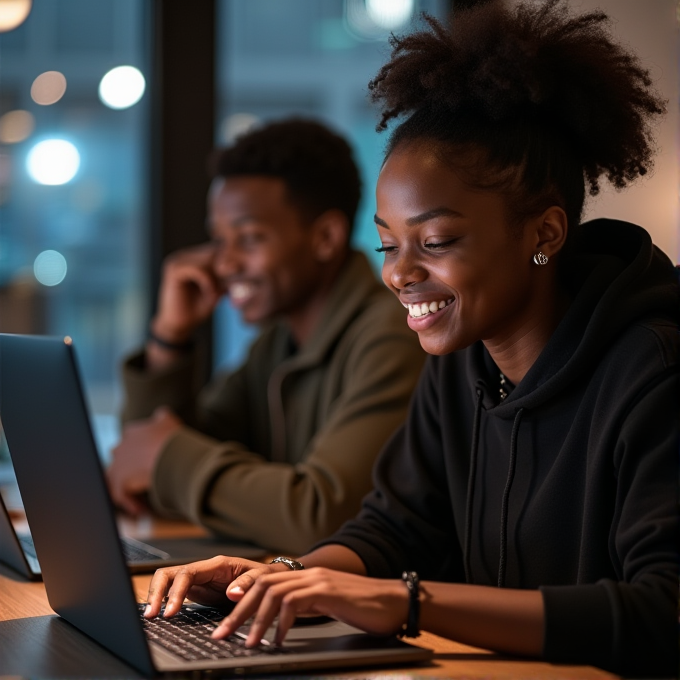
(385, 249)
(253, 239)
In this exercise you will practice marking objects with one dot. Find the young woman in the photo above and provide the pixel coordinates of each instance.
(532, 492)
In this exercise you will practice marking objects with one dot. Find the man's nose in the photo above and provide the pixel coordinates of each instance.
(227, 261)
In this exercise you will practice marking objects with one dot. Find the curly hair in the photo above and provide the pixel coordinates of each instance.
(316, 165)
(552, 100)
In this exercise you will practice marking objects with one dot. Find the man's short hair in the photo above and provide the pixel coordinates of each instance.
(316, 165)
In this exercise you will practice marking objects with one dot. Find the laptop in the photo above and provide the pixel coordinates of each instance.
(41, 373)
(16, 549)
(87, 582)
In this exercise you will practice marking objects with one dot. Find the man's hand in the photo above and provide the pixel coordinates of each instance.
(134, 458)
(188, 294)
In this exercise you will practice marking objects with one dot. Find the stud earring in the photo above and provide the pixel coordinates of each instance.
(540, 258)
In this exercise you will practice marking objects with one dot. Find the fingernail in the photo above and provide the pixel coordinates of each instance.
(216, 632)
(236, 590)
(147, 610)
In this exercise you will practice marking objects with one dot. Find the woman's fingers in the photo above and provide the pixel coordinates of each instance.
(263, 601)
(185, 577)
(241, 585)
(305, 600)
(205, 581)
(157, 589)
(377, 606)
(246, 607)
(274, 591)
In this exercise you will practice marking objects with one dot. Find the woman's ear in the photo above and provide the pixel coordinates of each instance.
(330, 235)
(551, 231)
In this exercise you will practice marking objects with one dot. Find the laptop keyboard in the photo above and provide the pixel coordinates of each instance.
(187, 634)
(133, 552)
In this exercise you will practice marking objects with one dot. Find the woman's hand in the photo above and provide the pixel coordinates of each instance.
(205, 582)
(375, 605)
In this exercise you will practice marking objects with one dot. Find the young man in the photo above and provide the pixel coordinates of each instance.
(279, 452)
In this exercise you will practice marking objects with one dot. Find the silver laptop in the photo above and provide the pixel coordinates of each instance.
(88, 583)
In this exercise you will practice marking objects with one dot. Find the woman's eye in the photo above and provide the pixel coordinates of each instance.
(434, 245)
(385, 249)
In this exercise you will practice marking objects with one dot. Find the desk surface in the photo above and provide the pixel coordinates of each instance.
(34, 642)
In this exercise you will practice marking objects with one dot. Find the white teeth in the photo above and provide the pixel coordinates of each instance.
(240, 291)
(424, 308)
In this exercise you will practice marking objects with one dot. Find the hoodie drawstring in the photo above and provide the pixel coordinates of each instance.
(506, 496)
(471, 485)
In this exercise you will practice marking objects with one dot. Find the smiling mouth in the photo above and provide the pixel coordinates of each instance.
(424, 308)
(238, 292)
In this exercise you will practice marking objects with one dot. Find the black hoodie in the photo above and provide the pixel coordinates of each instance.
(570, 483)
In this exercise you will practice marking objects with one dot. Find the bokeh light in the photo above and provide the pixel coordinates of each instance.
(122, 87)
(50, 268)
(53, 161)
(13, 13)
(235, 125)
(389, 14)
(15, 126)
(48, 88)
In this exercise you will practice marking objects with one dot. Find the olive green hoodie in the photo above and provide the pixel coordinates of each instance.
(280, 452)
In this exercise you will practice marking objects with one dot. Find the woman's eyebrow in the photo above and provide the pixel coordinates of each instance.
(379, 221)
(423, 217)
(432, 214)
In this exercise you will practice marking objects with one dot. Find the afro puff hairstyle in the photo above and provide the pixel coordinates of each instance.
(551, 99)
(315, 164)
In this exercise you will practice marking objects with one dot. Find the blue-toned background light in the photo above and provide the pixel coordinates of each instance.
(122, 87)
(53, 161)
(50, 268)
(390, 14)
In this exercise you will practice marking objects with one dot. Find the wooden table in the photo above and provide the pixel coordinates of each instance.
(34, 642)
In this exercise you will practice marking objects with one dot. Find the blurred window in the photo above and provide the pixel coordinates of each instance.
(73, 198)
(312, 58)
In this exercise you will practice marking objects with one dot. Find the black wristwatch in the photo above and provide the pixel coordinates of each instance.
(291, 564)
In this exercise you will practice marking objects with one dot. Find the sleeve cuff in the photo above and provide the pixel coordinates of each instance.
(578, 624)
(184, 470)
(144, 391)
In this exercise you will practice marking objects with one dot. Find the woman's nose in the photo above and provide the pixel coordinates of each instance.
(405, 271)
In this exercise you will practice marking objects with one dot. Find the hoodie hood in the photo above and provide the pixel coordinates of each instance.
(617, 277)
